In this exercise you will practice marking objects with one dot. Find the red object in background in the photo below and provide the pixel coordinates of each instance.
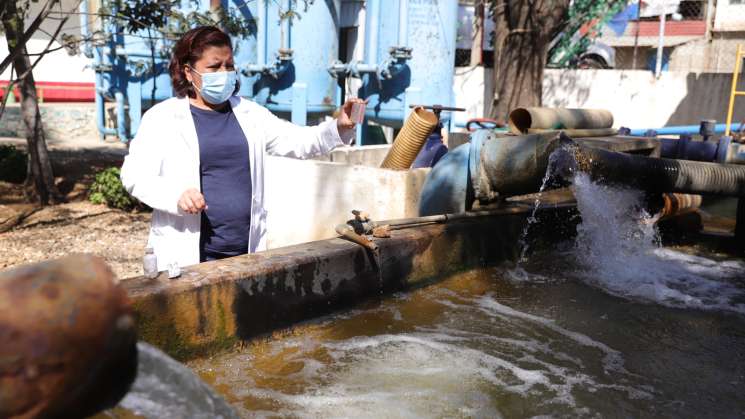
(672, 28)
(57, 91)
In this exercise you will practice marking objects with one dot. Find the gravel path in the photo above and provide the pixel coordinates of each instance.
(80, 227)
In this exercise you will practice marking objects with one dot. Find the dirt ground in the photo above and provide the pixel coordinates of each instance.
(74, 227)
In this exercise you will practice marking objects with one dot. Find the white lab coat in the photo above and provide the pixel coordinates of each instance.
(163, 162)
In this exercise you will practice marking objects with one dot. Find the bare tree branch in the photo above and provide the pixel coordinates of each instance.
(12, 82)
(21, 45)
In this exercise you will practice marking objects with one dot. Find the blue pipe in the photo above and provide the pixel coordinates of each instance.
(88, 51)
(101, 111)
(84, 30)
(680, 130)
(121, 120)
(371, 31)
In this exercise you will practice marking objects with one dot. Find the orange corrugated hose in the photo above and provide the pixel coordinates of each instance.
(410, 140)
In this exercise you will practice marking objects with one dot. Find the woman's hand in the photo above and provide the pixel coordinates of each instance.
(192, 201)
(344, 120)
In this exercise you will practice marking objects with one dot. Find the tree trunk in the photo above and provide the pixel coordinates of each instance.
(523, 31)
(40, 173)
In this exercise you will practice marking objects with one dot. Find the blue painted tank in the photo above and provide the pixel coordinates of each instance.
(295, 45)
(131, 69)
(428, 28)
(283, 63)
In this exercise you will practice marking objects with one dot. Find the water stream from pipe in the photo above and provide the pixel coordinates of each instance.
(618, 249)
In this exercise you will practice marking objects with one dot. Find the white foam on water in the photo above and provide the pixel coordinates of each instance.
(618, 250)
(402, 376)
(612, 359)
(440, 373)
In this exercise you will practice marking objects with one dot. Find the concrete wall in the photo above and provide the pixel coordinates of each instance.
(370, 155)
(635, 97)
(306, 199)
(729, 17)
(638, 100)
(214, 305)
(472, 87)
(61, 121)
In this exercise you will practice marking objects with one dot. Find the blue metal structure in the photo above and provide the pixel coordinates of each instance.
(131, 70)
(428, 28)
(293, 52)
(409, 57)
(282, 65)
(288, 63)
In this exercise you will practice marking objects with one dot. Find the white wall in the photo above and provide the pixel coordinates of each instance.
(729, 17)
(638, 100)
(635, 97)
(470, 88)
(56, 66)
(306, 199)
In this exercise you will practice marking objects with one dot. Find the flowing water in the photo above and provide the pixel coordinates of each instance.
(610, 324)
(607, 325)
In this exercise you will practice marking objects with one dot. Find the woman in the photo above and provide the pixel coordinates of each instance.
(198, 158)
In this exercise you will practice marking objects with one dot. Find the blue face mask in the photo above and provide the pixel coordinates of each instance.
(217, 87)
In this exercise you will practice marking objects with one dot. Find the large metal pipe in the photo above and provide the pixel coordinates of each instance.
(67, 339)
(487, 168)
(523, 119)
(508, 166)
(372, 16)
(578, 132)
(652, 174)
(84, 27)
(403, 23)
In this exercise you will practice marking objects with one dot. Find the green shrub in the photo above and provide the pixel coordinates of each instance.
(108, 190)
(12, 164)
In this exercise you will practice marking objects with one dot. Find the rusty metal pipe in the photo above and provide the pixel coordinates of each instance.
(67, 339)
(674, 204)
(523, 119)
(404, 223)
(578, 132)
(346, 231)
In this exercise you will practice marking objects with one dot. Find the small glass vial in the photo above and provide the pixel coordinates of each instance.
(358, 113)
(150, 263)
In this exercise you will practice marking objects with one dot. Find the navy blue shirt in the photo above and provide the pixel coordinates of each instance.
(226, 181)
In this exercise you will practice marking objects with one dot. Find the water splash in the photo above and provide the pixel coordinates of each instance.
(618, 250)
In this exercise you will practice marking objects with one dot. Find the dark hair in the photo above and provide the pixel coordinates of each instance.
(188, 50)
